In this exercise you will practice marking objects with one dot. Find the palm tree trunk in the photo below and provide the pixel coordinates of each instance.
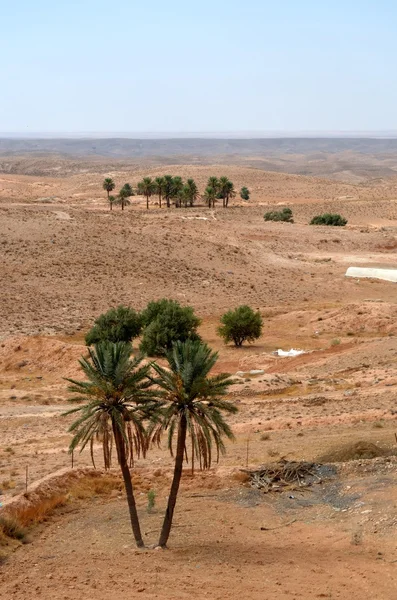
(147, 202)
(160, 200)
(122, 458)
(169, 513)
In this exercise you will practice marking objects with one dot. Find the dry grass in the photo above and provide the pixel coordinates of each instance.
(36, 507)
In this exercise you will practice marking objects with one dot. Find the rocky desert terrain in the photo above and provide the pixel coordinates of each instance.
(65, 258)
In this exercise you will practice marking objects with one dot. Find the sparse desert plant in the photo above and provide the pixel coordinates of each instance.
(116, 402)
(334, 220)
(284, 215)
(265, 437)
(151, 500)
(193, 403)
(121, 324)
(166, 322)
(335, 342)
(244, 193)
(240, 325)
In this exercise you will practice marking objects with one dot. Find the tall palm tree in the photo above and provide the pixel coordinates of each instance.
(117, 400)
(108, 185)
(159, 185)
(146, 188)
(210, 196)
(193, 403)
(192, 191)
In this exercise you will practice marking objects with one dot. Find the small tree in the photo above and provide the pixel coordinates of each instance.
(166, 322)
(240, 325)
(244, 193)
(146, 188)
(334, 220)
(168, 189)
(193, 408)
(121, 324)
(108, 185)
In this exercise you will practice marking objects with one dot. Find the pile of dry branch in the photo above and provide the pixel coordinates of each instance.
(285, 473)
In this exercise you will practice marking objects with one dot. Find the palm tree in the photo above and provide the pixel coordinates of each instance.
(192, 191)
(223, 188)
(112, 200)
(159, 188)
(193, 404)
(125, 193)
(117, 400)
(210, 196)
(177, 187)
(230, 193)
(168, 188)
(146, 187)
(108, 185)
(213, 182)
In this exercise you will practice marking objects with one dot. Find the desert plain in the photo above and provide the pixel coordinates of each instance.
(66, 258)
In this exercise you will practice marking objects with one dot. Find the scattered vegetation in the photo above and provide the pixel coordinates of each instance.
(279, 215)
(121, 324)
(240, 325)
(329, 219)
(10, 527)
(174, 190)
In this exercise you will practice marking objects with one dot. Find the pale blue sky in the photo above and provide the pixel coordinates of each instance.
(203, 65)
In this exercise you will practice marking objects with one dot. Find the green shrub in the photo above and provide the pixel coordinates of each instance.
(329, 219)
(240, 325)
(10, 527)
(282, 215)
(121, 324)
(166, 322)
(244, 193)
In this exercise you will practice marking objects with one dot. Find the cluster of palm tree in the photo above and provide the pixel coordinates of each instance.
(172, 190)
(130, 405)
(219, 189)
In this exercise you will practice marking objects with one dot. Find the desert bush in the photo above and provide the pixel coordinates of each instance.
(240, 325)
(329, 219)
(244, 193)
(121, 324)
(282, 215)
(166, 322)
(12, 528)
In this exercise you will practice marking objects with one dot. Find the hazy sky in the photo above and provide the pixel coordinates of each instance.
(198, 65)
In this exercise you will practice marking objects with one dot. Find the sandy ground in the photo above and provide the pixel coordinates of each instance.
(66, 260)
